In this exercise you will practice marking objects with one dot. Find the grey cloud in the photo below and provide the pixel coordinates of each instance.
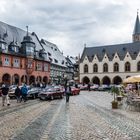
(74, 21)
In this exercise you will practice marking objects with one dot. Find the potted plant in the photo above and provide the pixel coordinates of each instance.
(114, 91)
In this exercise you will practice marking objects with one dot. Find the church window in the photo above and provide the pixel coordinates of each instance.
(127, 66)
(116, 67)
(95, 68)
(105, 67)
(85, 68)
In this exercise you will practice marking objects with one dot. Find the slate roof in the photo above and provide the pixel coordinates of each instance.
(54, 54)
(110, 50)
(10, 33)
(137, 26)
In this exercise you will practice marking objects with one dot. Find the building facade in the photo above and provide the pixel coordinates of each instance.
(22, 57)
(112, 63)
(58, 62)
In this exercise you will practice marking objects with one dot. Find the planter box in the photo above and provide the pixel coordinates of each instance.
(114, 105)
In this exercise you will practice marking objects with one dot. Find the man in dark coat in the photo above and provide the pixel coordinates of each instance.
(5, 97)
(18, 94)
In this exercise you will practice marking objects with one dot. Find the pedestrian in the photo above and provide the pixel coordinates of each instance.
(5, 97)
(88, 86)
(18, 94)
(67, 92)
(24, 92)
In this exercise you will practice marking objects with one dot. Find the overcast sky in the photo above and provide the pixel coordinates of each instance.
(71, 23)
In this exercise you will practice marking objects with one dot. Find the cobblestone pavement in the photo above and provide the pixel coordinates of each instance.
(87, 116)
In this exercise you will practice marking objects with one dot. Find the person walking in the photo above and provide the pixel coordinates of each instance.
(67, 92)
(5, 97)
(18, 94)
(88, 86)
(24, 92)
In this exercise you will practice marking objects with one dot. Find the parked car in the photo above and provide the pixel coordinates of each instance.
(33, 92)
(75, 91)
(104, 88)
(12, 89)
(94, 87)
(51, 93)
(83, 87)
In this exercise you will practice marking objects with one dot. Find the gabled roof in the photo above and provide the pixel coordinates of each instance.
(54, 54)
(110, 50)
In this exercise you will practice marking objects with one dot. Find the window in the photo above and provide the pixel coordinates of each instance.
(95, 68)
(85, 68)
(127, 66)
(45, 67)
(30, 50)
(29, 63)
(6, 61)
(138, 66)
(16, 62)
(116, 67)
(39, 66)
(105, 67)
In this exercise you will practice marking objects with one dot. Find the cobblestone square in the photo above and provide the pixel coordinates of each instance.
(87, 116)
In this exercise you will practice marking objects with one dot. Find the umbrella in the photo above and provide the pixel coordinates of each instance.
(132, 79)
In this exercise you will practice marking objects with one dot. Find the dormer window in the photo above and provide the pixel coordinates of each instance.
(49, 54)
(56, 61)
(15, 49)
(62, 61)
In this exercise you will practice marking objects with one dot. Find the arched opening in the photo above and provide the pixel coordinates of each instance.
(15, 79)
(138, 66)
(32, 80)
(96, 80)
(6, 78)
(127, 67)
(116, 67)
(117, 80)
(85, 68)
(24, 79)
(105, 67)
(127, 76)
(95, 68)
(45, 79)
(86, 80)
(106, 80)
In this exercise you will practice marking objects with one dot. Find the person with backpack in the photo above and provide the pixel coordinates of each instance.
(24, 92)
(5, 97)
(18, 94)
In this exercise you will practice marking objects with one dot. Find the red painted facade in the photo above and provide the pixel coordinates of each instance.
(17, 69)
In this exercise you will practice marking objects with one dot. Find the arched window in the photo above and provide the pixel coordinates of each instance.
(85, 68)
(116, 67)
(95, 68)
(105, 67)
(138, 66)
(127, 66)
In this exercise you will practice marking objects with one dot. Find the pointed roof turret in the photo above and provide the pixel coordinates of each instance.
(137, 25)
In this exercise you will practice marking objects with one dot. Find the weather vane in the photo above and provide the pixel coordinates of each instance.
(137, 11)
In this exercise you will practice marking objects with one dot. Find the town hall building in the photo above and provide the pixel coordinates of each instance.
(111, 64)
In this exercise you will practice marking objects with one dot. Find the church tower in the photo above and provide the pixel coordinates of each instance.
(136, 32)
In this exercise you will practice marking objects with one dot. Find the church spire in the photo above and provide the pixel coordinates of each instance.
(136, 32)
